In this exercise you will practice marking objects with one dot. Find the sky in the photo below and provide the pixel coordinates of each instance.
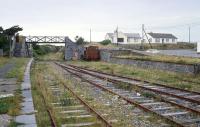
(77, 17)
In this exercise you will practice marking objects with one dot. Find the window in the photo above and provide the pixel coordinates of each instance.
(157, 39)
(120, 39)
(136, 40)
(173, 40)
(167, 40)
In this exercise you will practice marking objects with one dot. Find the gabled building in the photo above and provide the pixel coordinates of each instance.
(123, 38)
(161, 38)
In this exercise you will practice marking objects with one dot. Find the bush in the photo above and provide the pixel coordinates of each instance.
(4, 44)
(44, 49)
(105, 42)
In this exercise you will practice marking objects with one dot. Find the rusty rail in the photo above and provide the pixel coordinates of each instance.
(124, 98)
(88, 106)
(136, 79)
(154, 90)
(162, 99)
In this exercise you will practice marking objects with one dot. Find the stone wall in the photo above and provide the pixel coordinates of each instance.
(106, 54)
(109, 56)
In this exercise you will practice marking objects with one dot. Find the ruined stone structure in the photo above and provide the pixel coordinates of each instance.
(73, 51)
(21, 49)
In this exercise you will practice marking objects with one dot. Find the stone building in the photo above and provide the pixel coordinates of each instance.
(73, 51)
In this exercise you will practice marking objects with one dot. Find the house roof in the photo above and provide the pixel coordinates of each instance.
(129, 35)
(162, 35)
(132, 35)
(110, 34)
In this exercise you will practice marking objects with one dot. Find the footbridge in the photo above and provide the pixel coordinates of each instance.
(22, 44)
(47, 39)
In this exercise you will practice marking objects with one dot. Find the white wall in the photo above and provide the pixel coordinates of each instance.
(121, 35)
(165, 40)
(134, 41)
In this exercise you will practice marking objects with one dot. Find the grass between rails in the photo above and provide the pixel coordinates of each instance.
(47, 77)
(152, 75)
(40, 84)
(162, 58)
(119, 114)
(38, 92)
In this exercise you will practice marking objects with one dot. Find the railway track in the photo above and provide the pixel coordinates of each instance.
(79, 109)
(177, 114)
(52, 119)
(66, 108)
(99, 116)
(188, 96)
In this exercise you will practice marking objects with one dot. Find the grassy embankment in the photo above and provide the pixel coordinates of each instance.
(11, 105)
(162, 58)
(152, 75)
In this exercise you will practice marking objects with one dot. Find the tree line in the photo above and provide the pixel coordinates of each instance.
(6, 36)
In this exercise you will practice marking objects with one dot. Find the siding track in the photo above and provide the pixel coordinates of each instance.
(175, 106)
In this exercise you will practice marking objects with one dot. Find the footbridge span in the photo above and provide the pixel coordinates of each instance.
(22, 45)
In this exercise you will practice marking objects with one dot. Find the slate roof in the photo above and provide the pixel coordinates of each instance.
(162, 35)
(132, 35)
(110, 34)
(129, 35)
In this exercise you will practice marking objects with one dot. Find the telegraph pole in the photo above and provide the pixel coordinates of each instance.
(90, 35)
(142, 41)
(145, 34)
(117, 35)
(189, 35)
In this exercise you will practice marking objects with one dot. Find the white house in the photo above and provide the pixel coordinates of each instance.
(161, 38)
(123, 38)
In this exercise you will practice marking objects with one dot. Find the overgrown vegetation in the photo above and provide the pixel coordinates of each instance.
(105, 42)
(42, 116)
(18, 70)
(163, 58)
(3, 61)
(11, 105)
(52, 52)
